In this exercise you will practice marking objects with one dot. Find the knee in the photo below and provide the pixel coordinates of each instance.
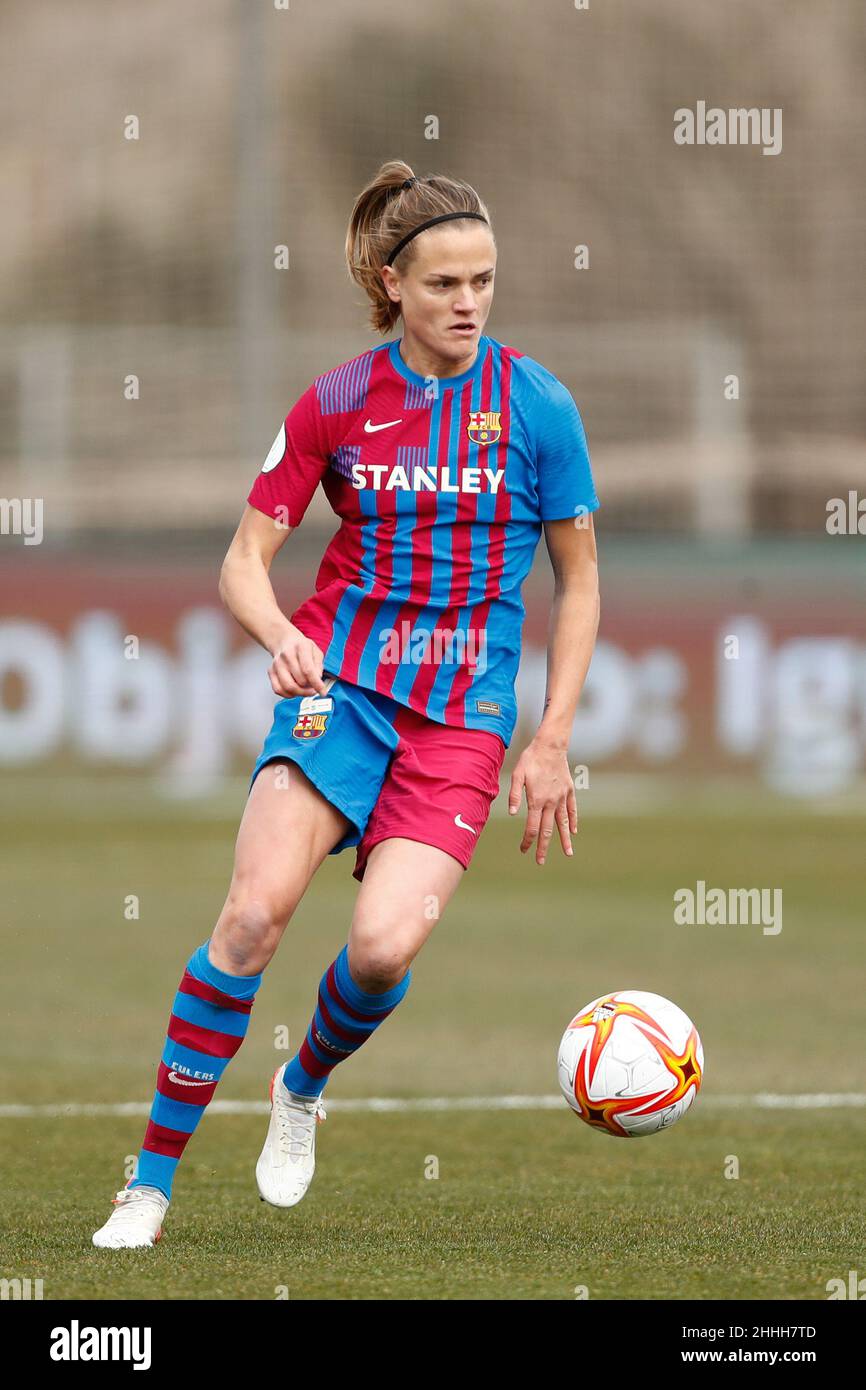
(376, 965)
(247, 933)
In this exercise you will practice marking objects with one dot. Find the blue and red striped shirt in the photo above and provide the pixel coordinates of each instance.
(441, 486)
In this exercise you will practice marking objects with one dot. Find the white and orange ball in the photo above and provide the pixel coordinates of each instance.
(630, 1063)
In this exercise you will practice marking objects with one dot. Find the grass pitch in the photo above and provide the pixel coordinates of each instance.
(527, 1204)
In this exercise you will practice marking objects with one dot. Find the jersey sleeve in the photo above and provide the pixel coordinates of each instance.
(565, 485)
(297, 460)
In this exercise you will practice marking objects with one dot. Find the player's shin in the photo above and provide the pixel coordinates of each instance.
(208, 1023)
(345, 1017)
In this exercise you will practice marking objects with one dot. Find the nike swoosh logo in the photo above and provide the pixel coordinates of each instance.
(185, 1081)
(458, 820)
(370, 428)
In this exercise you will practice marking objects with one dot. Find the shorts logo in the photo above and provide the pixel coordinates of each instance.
(485, 426)
(314, 712)
(310, 726)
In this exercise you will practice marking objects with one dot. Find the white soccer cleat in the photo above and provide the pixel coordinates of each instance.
(136, 1220)
(288, 1160)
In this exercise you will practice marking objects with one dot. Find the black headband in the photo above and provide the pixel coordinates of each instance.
(431, 222)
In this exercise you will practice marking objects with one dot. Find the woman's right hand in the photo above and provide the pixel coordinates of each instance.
(296, 668)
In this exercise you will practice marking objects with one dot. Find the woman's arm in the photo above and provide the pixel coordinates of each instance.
(246, 590)
(542, 769)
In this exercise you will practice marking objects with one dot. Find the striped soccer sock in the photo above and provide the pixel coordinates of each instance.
(208, 1023)
(346, 1016)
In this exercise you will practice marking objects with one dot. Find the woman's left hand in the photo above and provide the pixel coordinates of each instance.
(542, 771)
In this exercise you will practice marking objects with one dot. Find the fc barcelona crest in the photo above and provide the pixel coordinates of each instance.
(485, 426)
(310, 726)
(313, 715)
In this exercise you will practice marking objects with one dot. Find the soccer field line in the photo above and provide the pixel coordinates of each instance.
(760, 1100)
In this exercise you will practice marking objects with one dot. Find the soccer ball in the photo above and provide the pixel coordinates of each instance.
(630, 1063)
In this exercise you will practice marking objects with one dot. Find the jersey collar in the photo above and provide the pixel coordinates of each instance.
(446, 383)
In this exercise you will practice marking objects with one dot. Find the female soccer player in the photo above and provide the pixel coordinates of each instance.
(444, 454)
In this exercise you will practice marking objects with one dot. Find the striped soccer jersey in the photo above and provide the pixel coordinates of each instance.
(441, 486)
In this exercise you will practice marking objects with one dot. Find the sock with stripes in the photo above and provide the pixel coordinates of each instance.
(346, 1016)
(207, 1026)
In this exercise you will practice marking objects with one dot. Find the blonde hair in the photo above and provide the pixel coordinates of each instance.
(384, 213)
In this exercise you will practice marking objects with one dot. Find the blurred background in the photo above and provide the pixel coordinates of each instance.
(177, 181)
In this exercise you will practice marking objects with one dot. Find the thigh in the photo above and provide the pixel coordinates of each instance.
(287, 829)
(406, 888)
(341, 742)
(420, 838)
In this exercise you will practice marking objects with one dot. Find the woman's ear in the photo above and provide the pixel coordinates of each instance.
(391, 281)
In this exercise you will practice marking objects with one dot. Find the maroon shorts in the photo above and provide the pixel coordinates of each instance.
(438, 788)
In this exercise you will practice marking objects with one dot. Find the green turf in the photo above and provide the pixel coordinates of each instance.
(528, 1205)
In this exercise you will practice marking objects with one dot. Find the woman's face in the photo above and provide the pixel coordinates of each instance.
(446, 291)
